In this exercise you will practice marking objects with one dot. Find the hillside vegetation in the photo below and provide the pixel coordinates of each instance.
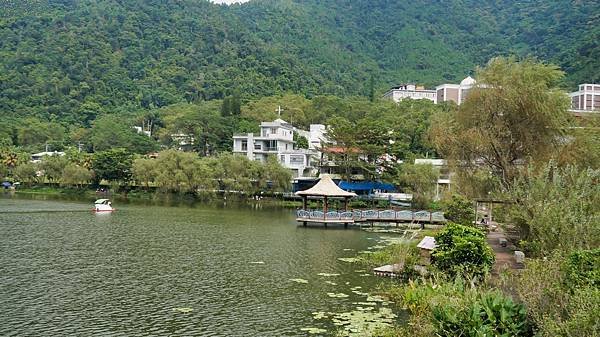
(71, 61)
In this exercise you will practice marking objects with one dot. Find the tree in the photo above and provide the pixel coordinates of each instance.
(420, 180)
(112, 165)
(110, 132)
(75, 175)
(459, 210)
(371, 88)
(515, 115)
(557, 209)
(301, 141)
(32, 131)
(26, 173)
(462, 250)
(53, 167)
(144, 171)
(278, 176)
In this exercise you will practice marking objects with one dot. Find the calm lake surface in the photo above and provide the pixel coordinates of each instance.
(65, 271)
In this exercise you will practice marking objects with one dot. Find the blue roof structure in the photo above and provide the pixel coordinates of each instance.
(366, 186)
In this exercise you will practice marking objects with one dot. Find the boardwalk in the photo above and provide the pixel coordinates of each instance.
(368, 216)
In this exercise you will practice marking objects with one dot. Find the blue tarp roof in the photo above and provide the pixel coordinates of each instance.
(365, 186)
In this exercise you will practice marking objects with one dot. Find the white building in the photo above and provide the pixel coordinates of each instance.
(412, 91)
(454, 92)
(277, 139)
(37, 157)
(586, 99)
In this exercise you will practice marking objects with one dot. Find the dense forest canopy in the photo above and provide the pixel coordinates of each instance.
(71, 61)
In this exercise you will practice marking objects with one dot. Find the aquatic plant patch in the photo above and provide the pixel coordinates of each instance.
(328, 274)
(364, 321)
(313, 331)
(299, 280)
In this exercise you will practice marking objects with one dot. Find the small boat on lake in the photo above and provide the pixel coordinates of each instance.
(103, 205)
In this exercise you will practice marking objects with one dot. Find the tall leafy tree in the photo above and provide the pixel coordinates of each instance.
(112, 165)
(515, 115)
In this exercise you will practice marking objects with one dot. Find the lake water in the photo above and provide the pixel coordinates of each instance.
(148, 270)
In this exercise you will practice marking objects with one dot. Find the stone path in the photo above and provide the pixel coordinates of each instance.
(505, 256)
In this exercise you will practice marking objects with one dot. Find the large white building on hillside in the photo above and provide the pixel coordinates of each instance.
(277, 139)
(586, 99)
(456, 93)
(411, 91)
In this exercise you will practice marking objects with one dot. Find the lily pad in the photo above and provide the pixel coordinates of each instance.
(319, 315)
(364, 321)
(338, 295)
(313, 331)
(331, 283)
(257, 262)
(349, 259)
(183, 310)
(375, 298)
(328, 274)
(299, 280)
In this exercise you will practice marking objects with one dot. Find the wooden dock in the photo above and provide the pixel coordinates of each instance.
(369, 216)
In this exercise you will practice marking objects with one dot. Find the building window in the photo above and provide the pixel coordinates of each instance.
(257, 146)
(282, 159)
(244, 145)
(296, 159)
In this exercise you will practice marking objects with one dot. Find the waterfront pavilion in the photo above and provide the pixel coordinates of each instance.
(327, 190)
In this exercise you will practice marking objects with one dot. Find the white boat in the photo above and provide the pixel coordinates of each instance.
(103, 205)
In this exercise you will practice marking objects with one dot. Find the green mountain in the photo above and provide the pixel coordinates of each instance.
(71, 60)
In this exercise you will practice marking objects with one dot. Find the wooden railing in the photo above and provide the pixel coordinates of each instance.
(367, 215)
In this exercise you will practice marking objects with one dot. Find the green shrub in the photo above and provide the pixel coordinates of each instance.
(440, 307)
(583, 268)
(559, 295)
(462, 250)
(459, 210)
(481, 314)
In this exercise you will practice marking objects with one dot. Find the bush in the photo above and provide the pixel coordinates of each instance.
(456, 308)
(583, 268)
(557, 209)
(560, 295)
(481, 314)
(459, 210)
(462, 250)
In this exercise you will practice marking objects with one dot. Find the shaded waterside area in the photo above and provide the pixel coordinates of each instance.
(156, 270)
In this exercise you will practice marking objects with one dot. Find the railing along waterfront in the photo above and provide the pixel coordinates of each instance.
(372, 215)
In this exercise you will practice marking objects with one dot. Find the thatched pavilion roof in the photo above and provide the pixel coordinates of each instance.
(326, 188)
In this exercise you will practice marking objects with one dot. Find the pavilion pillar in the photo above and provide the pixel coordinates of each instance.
(304, 202)
(346, 204)
(325, 206)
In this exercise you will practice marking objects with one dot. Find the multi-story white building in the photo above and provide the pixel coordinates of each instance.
(454, 92)
(586, 99)
(412, 91)
(277, 139)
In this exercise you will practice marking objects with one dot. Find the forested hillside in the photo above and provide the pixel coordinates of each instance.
(70, 61)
